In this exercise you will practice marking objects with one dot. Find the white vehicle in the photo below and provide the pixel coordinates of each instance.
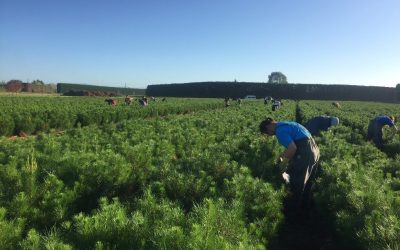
(250, 97)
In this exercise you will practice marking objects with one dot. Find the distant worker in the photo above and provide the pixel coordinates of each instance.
(336, 105)
(239, 101)
(302, 156)
(375, 129)
(276, 105)
(111, 102)
(321, 123)
(143, 101)
(266, 100)
(128, 100)
(226, 101)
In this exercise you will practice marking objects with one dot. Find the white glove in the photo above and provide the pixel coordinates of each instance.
(286, 177)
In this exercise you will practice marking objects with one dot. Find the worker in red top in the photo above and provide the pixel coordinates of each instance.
(111, 102)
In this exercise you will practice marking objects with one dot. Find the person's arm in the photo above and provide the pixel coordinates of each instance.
(395, 130)
(288, 153)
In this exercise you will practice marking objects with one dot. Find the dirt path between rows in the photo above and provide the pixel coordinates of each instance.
(311, 232)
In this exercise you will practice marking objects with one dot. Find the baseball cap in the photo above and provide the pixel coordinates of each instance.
(334, 121)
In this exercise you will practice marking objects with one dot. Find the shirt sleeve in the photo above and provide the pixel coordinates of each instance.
(283, 138)
(388, 121)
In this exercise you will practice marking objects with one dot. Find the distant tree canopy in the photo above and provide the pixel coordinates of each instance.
(38, 82)
(14, 86)
(14, 82)
(398, 91)
(36, 86)
(277, 77)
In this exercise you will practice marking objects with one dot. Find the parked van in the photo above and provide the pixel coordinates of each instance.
(250, 97)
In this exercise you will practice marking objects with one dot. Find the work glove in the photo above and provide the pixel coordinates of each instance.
(286, 177)
(282, 164)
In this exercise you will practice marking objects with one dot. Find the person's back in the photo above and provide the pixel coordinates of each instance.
(294, 130)
(319, 123)
(383, 120)
(275, 105)
(375, 129)
(128, 100)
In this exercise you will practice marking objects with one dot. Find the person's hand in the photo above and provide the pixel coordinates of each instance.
(286, 177)
(279, 160)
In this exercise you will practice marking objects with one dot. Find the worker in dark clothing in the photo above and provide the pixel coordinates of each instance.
(128, 100)
(301, 155)
(111, 102)
(143, 101)
(276, 105)
(226, 101)
(375, 129)
(321, 123)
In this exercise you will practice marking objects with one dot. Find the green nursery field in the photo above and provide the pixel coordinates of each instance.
(186, 174)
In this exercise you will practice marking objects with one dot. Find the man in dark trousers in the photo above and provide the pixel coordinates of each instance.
(276, 105)
(321, 123)
(226, 101)
(302, 154)
(375, 129)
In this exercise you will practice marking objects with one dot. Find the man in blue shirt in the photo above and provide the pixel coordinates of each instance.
(375, 129)
(321, 123)
(301, 152)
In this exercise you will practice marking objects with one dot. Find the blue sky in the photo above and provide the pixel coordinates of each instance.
(160, 41)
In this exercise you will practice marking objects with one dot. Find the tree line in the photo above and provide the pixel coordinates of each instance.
(66, 87)
(285, 91)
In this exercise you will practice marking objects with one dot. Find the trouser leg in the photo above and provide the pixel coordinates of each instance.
(375, 133)
(307, 193)
(302, 173)
(378, 140)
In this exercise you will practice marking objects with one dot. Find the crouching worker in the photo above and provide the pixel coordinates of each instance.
(276, 105)
(336, 105)
(321, 123)
(375, 129)
(111, 102)
(302, 155)
(128, 100)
